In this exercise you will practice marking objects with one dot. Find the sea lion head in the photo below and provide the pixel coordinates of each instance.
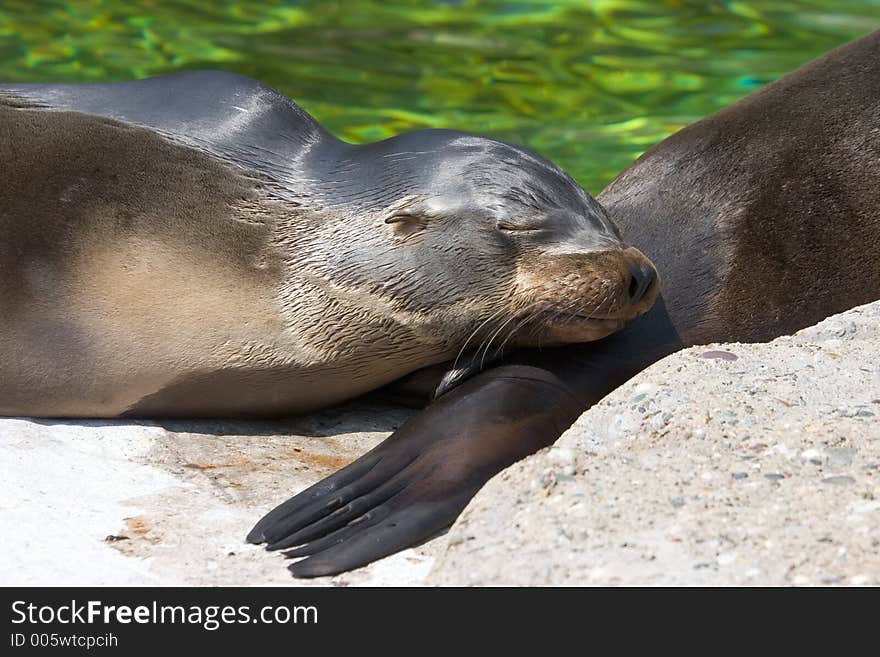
(472, 241)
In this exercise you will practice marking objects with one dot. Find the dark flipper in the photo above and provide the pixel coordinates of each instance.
(416, 482)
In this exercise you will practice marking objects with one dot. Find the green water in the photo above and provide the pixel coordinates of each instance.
(588, 84)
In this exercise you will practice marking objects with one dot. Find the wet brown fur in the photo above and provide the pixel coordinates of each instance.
(754, 271)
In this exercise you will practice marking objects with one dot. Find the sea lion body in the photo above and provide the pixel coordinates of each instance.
(197, 245)
(777, 199)
(128, 242)
(762, 219)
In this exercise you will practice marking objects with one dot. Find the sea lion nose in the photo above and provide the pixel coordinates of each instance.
(642, 279)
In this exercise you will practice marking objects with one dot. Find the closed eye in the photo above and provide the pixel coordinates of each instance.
(517, 228)
(405, 217)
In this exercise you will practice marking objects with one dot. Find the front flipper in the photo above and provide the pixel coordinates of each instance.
(416, 482)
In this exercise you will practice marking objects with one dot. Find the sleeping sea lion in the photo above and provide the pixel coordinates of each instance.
(762, 219)
(197, 245)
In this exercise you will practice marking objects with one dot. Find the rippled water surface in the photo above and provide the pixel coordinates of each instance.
(588, 84)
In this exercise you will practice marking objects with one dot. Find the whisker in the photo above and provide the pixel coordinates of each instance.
(483, 323)
(518, 327)
(533, 316)
(474, 333)
(501, 328)
(525, 315)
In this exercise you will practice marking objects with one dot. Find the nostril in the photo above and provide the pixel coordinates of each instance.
(642, 277)
(633, 284)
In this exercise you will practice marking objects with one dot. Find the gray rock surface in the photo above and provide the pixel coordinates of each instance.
(729, 464)
(143, 503)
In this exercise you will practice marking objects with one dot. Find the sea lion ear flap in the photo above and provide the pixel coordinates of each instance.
(403, 216)
(410, 212)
